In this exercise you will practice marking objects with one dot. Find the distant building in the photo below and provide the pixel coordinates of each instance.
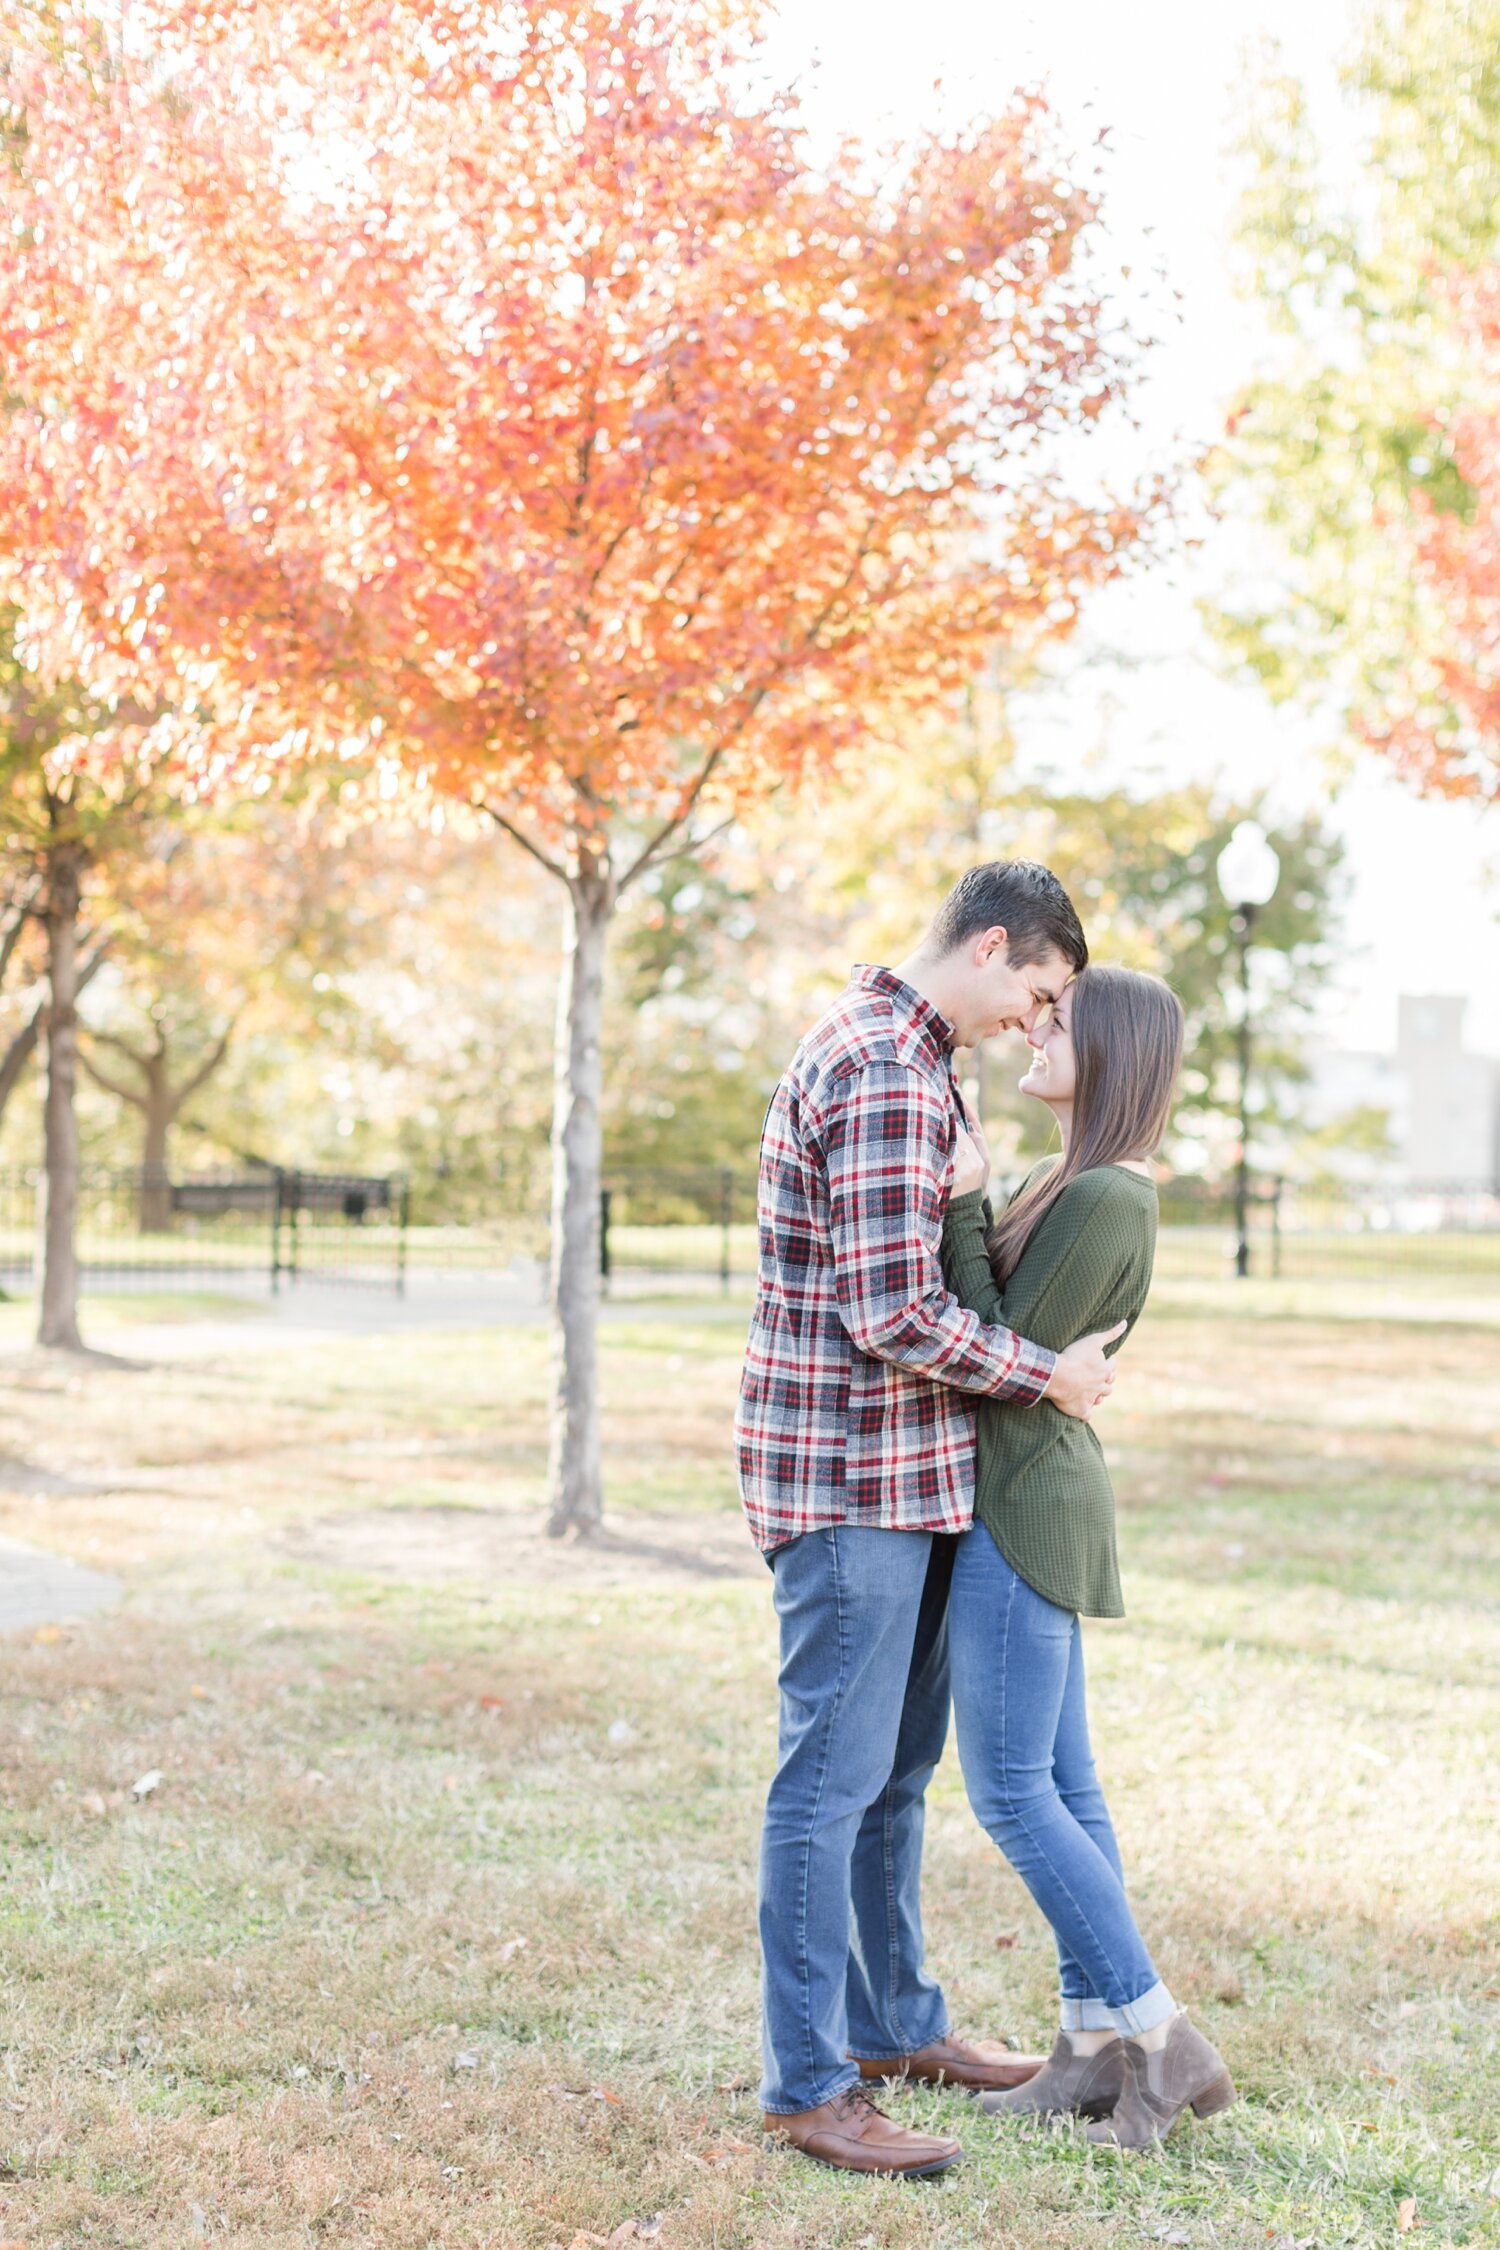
(1452, 1129)
(1443, 1103)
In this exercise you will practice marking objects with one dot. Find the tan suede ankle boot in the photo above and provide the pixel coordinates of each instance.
(1188, 2072)
(1067, 2085)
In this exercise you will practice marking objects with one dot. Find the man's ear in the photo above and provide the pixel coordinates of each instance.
(990, 942)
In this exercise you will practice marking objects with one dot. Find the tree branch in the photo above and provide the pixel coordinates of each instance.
(132, 1094)
(123, 1047)
(517, 836)
(204, 1072)
(22, 905)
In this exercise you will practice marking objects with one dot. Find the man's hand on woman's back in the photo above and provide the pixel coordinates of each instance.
(971, 1161)
(1083, 1377)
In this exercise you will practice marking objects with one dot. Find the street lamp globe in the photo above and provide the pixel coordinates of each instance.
(1248, 866)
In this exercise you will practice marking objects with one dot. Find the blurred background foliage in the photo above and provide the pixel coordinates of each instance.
(1346, 433)
(359, 999)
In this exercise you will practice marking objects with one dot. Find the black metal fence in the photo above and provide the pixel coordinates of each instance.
(683, 1224)
(688, 1230)
(275, 1225)
(663, 1226)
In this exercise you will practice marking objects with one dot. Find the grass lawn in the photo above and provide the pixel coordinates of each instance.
(437, 1928)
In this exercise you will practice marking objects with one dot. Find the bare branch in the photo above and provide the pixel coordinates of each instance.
(685, 805)
(15, 929)
(89, 968)
(19, 1053)
(204, 1071)
(135, 1095)
(517, 836)
(122, 1046)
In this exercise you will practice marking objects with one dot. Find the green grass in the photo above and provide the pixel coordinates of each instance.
(405, 1950)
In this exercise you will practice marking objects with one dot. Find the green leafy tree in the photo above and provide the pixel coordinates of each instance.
(1343, 449)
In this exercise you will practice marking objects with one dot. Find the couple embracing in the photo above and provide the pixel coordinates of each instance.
(918, 1466)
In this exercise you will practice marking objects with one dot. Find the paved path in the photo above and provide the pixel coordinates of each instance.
(462, 1302)
(38, 1588)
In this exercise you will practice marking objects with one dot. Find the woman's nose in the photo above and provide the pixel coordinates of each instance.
(1036, 1036)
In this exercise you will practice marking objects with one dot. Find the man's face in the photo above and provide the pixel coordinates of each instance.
(998, 997)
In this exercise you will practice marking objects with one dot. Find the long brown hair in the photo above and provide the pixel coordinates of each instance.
(1127, 1044)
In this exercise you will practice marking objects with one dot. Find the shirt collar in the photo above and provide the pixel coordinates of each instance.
(920, 1013)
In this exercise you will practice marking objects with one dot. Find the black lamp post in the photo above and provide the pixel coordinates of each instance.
(1248, 874)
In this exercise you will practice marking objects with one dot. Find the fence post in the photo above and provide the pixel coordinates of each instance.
(726, 1205)
(604, 1201)
(276, 1234)
(296, 1210)
(403, 1215)
(1276, 1187)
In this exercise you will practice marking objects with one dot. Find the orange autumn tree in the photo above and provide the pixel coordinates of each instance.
(509, 395)
(1442, 725)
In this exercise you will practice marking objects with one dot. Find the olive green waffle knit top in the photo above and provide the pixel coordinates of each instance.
(1041, 1486)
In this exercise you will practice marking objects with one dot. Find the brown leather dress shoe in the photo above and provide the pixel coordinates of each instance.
(981, 2066)
(851, 2134)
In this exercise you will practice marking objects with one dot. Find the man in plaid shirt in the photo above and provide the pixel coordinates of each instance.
(855, 1441)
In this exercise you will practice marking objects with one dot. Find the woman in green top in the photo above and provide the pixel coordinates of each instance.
(1070, 1254)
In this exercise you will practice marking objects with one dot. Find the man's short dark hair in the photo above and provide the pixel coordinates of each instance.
(1024, 899)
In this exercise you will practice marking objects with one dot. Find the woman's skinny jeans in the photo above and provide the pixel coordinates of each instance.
(1023, 1739)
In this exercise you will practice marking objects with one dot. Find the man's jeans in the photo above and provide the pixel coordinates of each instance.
(1023, 1742)
(864, 1715)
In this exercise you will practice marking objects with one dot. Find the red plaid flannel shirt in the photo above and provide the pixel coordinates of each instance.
(855, 1402)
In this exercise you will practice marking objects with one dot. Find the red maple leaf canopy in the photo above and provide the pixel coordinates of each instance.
(509, 385)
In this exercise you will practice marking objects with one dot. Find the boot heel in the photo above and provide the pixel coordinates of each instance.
(1216, 2095)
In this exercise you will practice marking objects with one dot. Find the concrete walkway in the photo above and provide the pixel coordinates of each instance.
(38, 1588)
(312, 1310)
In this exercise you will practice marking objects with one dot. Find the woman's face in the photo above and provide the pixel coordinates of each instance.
(1053, 1072)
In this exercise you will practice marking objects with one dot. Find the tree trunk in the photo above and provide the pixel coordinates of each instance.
(57, 1216)
(24, 1045)
(158, 1110)
(574, 1475)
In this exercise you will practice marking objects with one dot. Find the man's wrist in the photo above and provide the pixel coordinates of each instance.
(1045, 1363)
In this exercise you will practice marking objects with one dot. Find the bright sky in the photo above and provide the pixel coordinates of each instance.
(1163, 76)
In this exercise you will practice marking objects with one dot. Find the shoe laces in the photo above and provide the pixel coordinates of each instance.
(862, 2096)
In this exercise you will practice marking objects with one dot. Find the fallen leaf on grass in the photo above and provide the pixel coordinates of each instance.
(492, 1703)
(716, 2159)
(511, 1948)
(631, 2230)
(734, 2085)
(147, 1782)
(1406, 2214)
(1006, 1942)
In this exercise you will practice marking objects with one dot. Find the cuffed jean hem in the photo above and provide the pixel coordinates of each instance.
(779, 2109)
(1152, 2008)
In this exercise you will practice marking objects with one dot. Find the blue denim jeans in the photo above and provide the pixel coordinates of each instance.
(1023, 1741)
(864, 1716)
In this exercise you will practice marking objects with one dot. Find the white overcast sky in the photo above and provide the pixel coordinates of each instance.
(1163, 75)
